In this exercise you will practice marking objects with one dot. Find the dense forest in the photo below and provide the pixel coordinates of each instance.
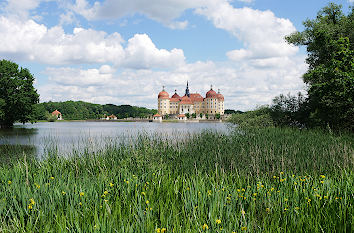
(79, 110)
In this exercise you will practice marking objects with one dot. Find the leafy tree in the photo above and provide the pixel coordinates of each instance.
(329, 40)
(188, 115)
(201, 115)
(217, 116)
(79, 110)
(290, 110)
(17, 94)
(258, 118)
(194, 115)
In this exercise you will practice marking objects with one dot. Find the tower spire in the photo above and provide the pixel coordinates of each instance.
(187, 91)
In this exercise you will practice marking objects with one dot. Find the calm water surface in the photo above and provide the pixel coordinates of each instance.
(67, 137)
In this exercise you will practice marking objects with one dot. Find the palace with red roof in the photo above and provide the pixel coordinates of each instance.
(211, 104)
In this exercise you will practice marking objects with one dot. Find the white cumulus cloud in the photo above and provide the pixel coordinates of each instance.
(261, 32)
(28, 40)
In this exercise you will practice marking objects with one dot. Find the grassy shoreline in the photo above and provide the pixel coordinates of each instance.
(268, 180)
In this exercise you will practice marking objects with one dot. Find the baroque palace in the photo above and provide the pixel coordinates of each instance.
(191, 103)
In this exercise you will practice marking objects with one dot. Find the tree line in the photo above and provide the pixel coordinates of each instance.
(329, 102)
(80, 110)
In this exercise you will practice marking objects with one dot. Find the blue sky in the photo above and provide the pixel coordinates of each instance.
(122, 52)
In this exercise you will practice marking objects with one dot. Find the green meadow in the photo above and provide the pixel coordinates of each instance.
(264, 180)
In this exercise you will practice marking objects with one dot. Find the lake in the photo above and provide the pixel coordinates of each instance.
(66, 137)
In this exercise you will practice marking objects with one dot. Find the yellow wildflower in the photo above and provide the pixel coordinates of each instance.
(238, 190)
(163, 230)
(38, 186)
(143, 193)
(82, 194)
(243, 190)
(285, 209)
(63, 193)
(321, 181)
(29, 206)
(254, 194)
(9, 182)
(105, 192)
(243, 212)
(111, 184)
(32, 201)
(243, 228)
(285, 199)
(158, 230)
(325, 197)
(205, 226)
(147, 202)
(297, 208)
(80, 203)
(281, 173)
(52, 178)
(127, 182)
(218, 221)
(268, 210)
(322, 176)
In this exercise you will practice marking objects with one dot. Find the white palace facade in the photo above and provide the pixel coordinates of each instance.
(211, 104)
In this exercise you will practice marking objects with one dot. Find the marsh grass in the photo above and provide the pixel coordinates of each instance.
(268, 180)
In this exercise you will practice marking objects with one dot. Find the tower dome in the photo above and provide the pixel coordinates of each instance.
(163, 94)
(220, 96)
(211, 93)
(175, 95)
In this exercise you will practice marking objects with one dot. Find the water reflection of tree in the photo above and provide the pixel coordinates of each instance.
(18, 131)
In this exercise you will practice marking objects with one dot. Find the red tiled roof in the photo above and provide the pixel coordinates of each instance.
(157, 115)
(163, 95)
(175, 96)
(56, 113)
(220, 96)
(186, 100)
(211, 94)
(174, 100)
(196, 97)
(181, 115)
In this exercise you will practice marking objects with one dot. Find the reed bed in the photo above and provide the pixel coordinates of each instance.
(266, 180)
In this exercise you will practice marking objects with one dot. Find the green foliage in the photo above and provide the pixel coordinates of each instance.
(201, 115)
(50, 117)
(79, 110)
(188, 115)
(272, 180)
(124, 111)
(17, 94)
(231, 111)
(329, 40)
(331, 95)
(258, 118)
(289, 110)
(194, 115)
(217, 116)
